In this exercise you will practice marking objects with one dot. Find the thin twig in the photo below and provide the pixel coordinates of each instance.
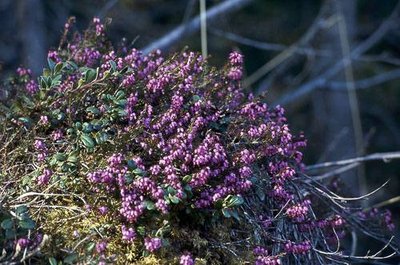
(336, 172)
(318, 23)
(203, 20)
(181, 31)
(386, 157)
(389, 24)
(107, 7)
(367, 82)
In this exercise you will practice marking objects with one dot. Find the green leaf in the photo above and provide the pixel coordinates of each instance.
(26, 121)
(70, 259)
(101, 137)
(87, 127)
(7, 224)
(235, 214)
(237, 200)
(174, 199)
(90, 75)
(60, 157)
(27, 102)
(232, 201)
(171, 190)
(73, 65)
(87, 140)
(131, 164)
(120, 94)
(90, 247)
(122, 113)
(139, 172)
(21, 209)
(52, 261)
(226, 213)
(27, 224)
(56, 81)
(128, 179)
(46, 73)
(149, 205)
(188, 188)
(196, 98)
(51, 63)
(59, 66)
(141, 230)
(10, 234)
(260, 193)
(93, 110)
(187, 178)
(72, 158)
(113, 65)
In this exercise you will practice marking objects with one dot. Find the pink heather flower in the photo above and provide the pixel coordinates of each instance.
(128, 234)
(103, 210)
(235, 73)
(186, 259)
(23, 242)
(75, 233)
(32, 87)
(387, 217)
(235, 58)
(44, 120)
(53, 55)
(101, 246)
(152, 244)
(45, 177)
(57, 135)
(297, 248)
(24, 71)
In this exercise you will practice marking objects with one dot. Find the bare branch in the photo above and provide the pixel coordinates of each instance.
(175, 35)
(307, 51)
(386, 157)
(368, 82)
(389, 24)
(337, 171)
(318, 23)
(107, 7)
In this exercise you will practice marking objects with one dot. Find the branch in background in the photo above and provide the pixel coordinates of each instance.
(33, 37)
(337, 171)
(107, 7)
(181, 31)
(188, 11)
(390, 23)
(203, 24)
(368, 82)
(318, 23)
(386, 157)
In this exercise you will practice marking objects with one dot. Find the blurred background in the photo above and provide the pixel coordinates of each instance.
(334, 65)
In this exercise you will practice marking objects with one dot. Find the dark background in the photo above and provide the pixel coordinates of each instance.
(299, 40)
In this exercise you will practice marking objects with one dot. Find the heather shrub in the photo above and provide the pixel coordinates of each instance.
(114, 156)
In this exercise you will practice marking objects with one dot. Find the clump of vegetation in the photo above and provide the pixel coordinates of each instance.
(114, 156)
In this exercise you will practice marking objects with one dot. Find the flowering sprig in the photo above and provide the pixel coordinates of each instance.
(150, 147)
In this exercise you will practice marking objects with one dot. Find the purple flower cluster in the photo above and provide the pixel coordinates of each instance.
(388, 220)
(23, 242)
(41, 148)
(193, 141)
(101, 246)
(44, 179)
(299, 211)
(262, 257)
(128, 234)
(152, 243)
(186, 259)
(297, 248)
(25, 76)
